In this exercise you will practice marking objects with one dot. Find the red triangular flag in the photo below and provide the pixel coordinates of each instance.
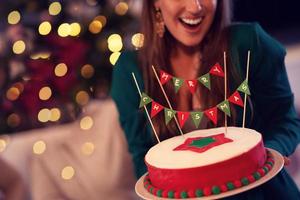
(192, 84)
(182, 117)
(164, 77)
(155, 108)
(212, 114)
(217, 70)
(236, 98)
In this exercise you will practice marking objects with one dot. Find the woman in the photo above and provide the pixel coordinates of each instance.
(185, 38)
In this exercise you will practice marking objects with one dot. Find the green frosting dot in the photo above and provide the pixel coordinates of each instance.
(183, 194)
(245, 181)
(151, 189)
(256, 175)
(159, 193)
(230, 186)
(171, 194)
(216, 190)
(270, 163)
(265, 169)
(199, 193)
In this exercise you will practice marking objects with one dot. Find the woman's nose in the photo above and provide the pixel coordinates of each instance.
(193, 6)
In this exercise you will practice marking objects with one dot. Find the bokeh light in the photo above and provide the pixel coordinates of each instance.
(61, 69)
(86, 123)
(54, 8)
(19, 47)
(55, 114)
(87, 148)
(44, 115)
(12, 93)
(95, 26)
(87, 71)
(75, 29)
(39, 147)
(64, 30)
(45, 28)
(121, 8)
(40, 55)
(4, 140)
(102, 19)
(137, 40)
(13, 120)
(67, 173)
(45, 93)
(115, 43)
(114, 57)
(13, 17)
(82, 98)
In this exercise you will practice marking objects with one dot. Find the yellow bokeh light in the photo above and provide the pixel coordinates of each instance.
(82, 98)
(64, 30)
(87, 148)
(114, 57)
(61, 69)
(19, 86)
(13, 120)
(13, 17)
(12, 93)
(45, 28)
(115, 43)
(95, 26)
(40, 55)
(67, 173)
(19, 47)
(86, 123)
(44, 115)
(45, 93)
(55, 114)
(102, 19)
(87, 71)
(75, 29)
(3, 144)
(137, 40)
(54, 8)
(39, 147)
(121, 8)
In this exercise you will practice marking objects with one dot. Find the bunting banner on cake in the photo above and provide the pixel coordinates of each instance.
(224, 106)
(236, 98)
(212, 114)
(182, 117)
(155, 108)
(197, 117)
(169, 114)
(192, 84)
(145, 99)
(244, 87)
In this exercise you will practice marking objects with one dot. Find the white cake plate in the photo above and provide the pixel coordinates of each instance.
(278, 165)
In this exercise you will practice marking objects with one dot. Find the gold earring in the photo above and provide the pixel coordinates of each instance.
(159, 24)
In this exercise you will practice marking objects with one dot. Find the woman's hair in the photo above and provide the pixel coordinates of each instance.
(156, 51)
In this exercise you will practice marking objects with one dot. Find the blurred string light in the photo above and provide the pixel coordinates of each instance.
(95, 27)
(39, 147)
(45, 28)
(45, 93)
(13, 93)
(137, 40)
(121, 8)
(115, 45)
(19, 86)
(19, 47)
(13, 120)
(64, 30)
(4, 141)
(61, 69)
(67, 173)
(86, 123)
(46, 115)
(82, 98)
(40, 55)
(113, 58)
(87, 148)
(13, 17)
(75, 29)
(54, 8)
(87, 71)
(102, 19)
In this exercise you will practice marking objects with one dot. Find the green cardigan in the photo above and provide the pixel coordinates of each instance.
(274, 112)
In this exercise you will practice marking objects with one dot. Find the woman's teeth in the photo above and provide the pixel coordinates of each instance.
(192, 21)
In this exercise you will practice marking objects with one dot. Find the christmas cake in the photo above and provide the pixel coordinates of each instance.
(206, 162)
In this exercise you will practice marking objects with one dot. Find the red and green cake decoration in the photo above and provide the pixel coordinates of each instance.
(212, 189)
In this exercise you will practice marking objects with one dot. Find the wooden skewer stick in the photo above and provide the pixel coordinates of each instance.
(138, 88)
(225, 88)
(167, 99)
(245, 98)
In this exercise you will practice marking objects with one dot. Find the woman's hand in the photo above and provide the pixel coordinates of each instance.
(287, 160)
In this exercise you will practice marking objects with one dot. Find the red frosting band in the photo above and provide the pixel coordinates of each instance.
(210, 175)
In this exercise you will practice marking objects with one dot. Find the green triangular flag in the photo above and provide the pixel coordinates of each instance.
(145, 99)
(205, 80)
(224, 106)
(244, 87)
(169, 114)
(197, 117)
(177, 83)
